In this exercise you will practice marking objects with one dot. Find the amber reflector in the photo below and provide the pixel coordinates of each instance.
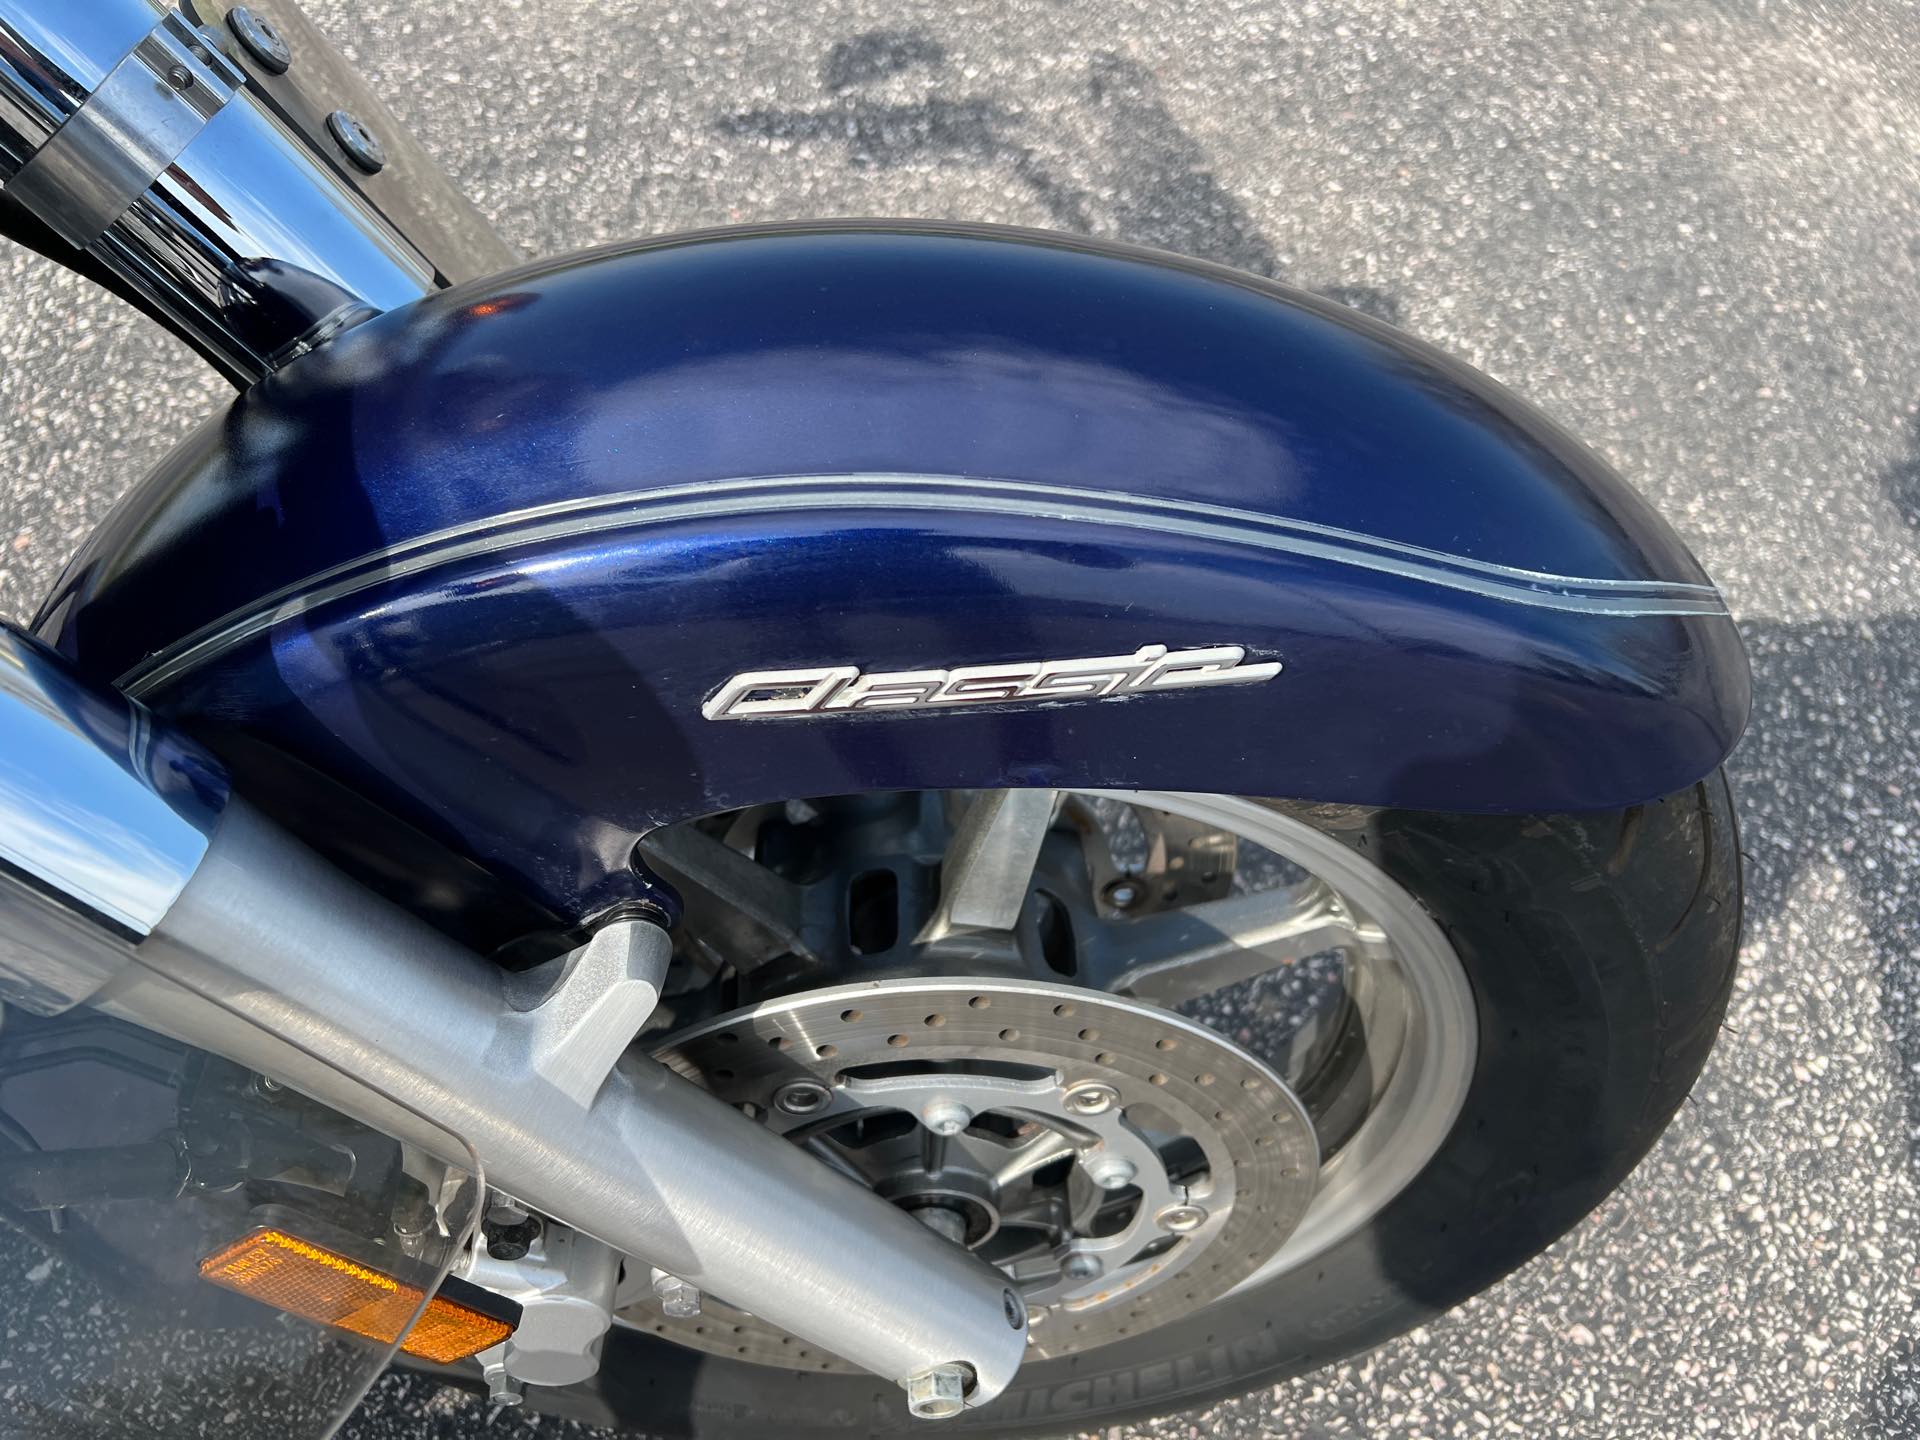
(314, 1283)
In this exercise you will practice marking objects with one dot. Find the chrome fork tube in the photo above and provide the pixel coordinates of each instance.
(233, 936)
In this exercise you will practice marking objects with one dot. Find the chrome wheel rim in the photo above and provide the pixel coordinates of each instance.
(1423, 1098)
(1402, 989)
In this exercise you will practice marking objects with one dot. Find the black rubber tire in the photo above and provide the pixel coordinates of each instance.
(1600, 949)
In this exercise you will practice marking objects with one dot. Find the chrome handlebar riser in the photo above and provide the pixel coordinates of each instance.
(140, 138)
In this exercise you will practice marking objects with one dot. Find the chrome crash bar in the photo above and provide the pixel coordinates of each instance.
(226, 173)
(132, 880)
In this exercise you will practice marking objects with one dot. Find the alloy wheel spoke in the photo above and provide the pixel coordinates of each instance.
(1180, 955)
(746, 912)
(988, 868)
(1010, 1163)
(831, 1155)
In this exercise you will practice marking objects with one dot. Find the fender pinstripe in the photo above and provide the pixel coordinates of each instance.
(772, 494)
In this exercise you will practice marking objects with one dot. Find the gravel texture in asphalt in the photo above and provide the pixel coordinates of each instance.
(1689, 230)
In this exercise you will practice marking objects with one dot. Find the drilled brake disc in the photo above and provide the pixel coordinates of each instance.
(1122, 1164)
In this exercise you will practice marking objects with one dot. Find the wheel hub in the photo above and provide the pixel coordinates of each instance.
(1122, 1165)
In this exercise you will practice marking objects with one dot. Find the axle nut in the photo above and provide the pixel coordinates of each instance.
(937, 1394)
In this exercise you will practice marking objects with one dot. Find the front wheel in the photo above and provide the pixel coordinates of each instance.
(1232, 1089)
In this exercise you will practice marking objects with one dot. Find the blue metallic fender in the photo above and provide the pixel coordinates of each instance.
(482, 560)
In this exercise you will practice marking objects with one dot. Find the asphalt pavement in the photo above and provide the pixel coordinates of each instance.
(1690, 231)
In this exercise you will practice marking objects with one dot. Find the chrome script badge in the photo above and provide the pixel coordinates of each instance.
(835, 689)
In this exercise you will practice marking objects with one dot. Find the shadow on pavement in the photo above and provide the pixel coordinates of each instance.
(1160, 187)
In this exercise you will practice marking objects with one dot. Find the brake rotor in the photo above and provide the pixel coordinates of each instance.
(1167, 1163)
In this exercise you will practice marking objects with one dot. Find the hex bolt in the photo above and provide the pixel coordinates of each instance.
(946, 1117)
(678, 1299)
(1092, 1098)
(262, 40)
(504, 1209)
(1111, 1172)
(939, 1393)
(802, 1097)
(361, 146)
(1180, 1218)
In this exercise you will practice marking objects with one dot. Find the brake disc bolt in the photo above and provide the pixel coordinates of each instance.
(1092, 1099)
(1082, 1267)
(937, 1394)
(1180, 1218)
(1111, 1172)
(678, 1299)
(946, 1117)
(802, 1097)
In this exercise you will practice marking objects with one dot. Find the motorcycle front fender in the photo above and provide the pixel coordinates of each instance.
(490, 561)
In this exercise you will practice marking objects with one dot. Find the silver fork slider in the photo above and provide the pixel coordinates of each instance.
(131, 880)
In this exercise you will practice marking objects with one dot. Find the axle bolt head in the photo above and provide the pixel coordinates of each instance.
(1180, 1218)
(939, 1393)
(1092, 1098)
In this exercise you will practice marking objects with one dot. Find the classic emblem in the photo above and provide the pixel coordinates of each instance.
(831, 689)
